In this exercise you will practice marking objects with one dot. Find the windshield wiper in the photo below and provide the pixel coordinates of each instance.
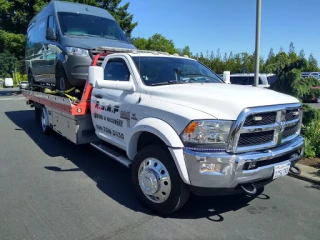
(165, 83)
(201, 75)
(82, 35)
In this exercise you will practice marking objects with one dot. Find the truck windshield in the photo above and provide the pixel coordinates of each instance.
(88, 25)
(170, 70)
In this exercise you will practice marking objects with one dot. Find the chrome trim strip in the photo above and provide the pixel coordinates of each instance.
(292, 122)
(259, 128)
(237, 128)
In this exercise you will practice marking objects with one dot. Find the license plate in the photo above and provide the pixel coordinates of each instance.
(281, 170)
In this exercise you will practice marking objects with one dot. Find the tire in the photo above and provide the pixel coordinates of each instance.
(30, 80)
(173, 192)
(44, 124)
(62, 82)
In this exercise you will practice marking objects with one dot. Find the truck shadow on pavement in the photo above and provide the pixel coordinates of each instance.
(113, 179)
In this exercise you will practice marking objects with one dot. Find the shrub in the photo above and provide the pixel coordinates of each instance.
(311, 131)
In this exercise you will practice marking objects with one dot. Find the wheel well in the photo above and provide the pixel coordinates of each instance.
(59, 66)
(146, 139)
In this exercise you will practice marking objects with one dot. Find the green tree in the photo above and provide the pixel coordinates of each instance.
(184, 51)
(312, 64)
(157, 42)
(302, 55)
(8, 64)
(140, 43)
(292, 54)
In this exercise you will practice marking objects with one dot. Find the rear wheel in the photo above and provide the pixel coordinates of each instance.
(157, 180)
(44, 121)
(62, 82)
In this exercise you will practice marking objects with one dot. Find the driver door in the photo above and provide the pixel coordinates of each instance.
(112, 107)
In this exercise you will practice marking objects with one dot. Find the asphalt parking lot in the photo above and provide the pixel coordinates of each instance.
(52, 189)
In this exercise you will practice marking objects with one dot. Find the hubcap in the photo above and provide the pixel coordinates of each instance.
(62, 84)
(154, 180)
(43, 120)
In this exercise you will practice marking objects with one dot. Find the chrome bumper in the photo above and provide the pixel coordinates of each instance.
(233, 168)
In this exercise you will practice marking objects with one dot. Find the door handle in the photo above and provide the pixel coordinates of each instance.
(98, 95)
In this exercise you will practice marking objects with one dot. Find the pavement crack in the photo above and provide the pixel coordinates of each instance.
(124, 229)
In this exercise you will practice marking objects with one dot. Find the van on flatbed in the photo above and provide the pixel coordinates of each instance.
(177, 126)
(62, 40)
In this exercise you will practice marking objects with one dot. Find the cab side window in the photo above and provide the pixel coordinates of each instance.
(116, 69)
(52, 23)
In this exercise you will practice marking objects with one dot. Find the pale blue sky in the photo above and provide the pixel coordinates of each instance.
(230, 24)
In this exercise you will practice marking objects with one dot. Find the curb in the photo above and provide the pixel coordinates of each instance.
(305, 174)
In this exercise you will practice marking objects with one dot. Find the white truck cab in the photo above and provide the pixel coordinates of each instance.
(185, 130)
(179, 127)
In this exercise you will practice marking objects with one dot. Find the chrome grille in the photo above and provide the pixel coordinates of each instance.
(266, 118)
(93, 53)
(291, 114)
(289, 131)
(265, 127)
(249, 139)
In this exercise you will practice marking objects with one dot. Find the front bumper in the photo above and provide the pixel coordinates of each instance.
(77, 69)
(235, 168)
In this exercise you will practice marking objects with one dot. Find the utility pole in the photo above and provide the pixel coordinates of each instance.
(257, 51)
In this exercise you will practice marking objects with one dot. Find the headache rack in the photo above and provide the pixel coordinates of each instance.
(104, 51)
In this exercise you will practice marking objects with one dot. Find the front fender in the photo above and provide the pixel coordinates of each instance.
(167, 134)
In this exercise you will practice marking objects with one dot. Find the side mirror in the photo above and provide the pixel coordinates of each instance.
(50, 34)
(118, 85)
(226, 77)
(96, 79)
(96, 73)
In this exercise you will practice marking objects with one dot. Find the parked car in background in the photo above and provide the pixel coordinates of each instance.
(311, 74)
(8, 83)
(62, 40)
(248, 79)
(24, 85)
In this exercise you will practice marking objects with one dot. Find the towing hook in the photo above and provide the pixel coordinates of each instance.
(252, 190)
(295, 170)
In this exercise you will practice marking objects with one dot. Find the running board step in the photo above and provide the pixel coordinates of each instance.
(112, 154)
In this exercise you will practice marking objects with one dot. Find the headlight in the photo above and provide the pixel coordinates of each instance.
(77, 51)
(202, 134)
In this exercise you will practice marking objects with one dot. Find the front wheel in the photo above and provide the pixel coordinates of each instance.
(157, 180)
(62, 82)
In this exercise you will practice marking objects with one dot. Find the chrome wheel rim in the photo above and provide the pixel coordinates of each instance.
(62, 84)
(154, 180)
(43, 120)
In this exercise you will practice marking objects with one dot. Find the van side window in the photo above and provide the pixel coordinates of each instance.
(116, 69)
(52, 23)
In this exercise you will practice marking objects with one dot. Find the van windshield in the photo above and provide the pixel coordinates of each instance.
(87, 25)
(171, 70)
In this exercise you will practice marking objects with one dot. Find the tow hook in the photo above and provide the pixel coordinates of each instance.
(249, 189)
(295, 170)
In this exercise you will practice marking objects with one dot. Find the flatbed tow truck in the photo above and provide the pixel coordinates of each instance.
(177, 126)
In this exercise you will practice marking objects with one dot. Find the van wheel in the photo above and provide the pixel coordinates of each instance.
(30, 80)
(44, 122)
(62, 82)
(157, 181)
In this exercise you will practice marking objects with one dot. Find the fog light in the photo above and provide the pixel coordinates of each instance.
(210, 167)
(252, 165)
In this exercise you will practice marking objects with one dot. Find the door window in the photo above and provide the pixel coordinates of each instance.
(52, 23)
(116, 69)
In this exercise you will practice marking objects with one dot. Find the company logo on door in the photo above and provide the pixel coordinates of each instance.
(109, 108)
(125, 115)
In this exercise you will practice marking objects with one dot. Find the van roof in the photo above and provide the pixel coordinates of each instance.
(72, 7)
(63, 6)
